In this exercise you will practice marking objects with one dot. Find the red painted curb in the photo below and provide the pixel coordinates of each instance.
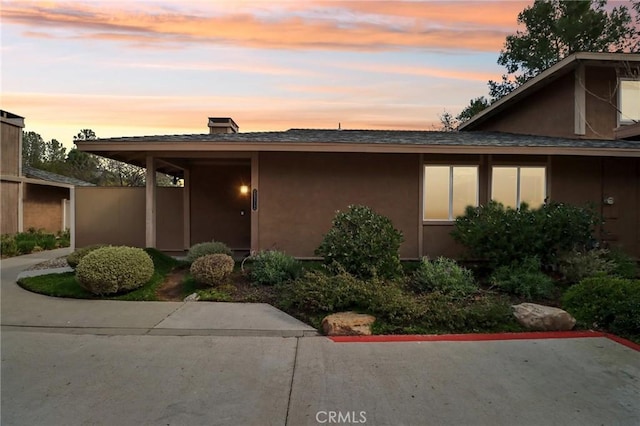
(623, 341)
(483, 337)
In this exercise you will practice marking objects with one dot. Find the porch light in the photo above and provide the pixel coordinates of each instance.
(244, 189)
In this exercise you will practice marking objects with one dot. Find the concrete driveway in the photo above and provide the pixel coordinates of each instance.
(72, 375)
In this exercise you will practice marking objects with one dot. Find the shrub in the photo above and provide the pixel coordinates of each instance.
(623, 265)
(444, 275)
(274, 267)
(505, 235)
(608, 303)
(63, 238)
(318, 292)
(523, 279)
(110, 270)
(577, 265)
(212, 269)
(74, 258)
(25, 246)
(363, 243)
(47, 242)
(8, 246)
(203, 249)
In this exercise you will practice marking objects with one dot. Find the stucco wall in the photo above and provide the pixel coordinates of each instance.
(582, 180)
(549, 112)
(42, 207)
(10, 148)
(9, 218)
(300, 193)
(601, 100)
(217, 206)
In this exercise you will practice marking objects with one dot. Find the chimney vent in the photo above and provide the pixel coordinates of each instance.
(222, 125)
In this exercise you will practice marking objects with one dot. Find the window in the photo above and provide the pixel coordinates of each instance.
(629, 101)
(448, 190)
(514, 185)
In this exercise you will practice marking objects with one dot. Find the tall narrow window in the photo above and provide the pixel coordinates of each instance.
(629, 101)
(512, 186)
(448, 190)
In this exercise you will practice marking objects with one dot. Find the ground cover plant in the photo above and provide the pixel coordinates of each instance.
(32, 241)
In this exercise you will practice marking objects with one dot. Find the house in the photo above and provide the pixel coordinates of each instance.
(568, 135)
(31, 198)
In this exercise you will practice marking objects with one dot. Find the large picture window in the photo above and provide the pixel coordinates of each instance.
(629, 101)
(513, 185)
(448, 190)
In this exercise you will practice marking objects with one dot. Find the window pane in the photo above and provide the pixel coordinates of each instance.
(629, 100)
(504, 185)
(465, 189)
(532, 186)
(436, 192)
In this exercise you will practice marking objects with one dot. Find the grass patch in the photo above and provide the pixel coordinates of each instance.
(66, 285)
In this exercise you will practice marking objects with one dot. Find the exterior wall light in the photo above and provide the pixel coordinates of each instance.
(244, 189)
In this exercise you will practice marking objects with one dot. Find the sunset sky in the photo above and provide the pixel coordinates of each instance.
(163, 67)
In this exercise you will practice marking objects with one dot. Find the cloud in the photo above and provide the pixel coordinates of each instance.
(111, 116)
(360, 26)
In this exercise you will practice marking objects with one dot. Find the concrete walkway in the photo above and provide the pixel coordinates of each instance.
(21, 308)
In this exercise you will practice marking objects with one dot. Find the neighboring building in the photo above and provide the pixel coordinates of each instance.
(31, 198)
(280, 190)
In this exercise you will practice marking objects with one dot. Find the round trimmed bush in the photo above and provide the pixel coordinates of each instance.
(363, 243)
(203, 249)
(110, 270)
(212, 269)
(74, 258)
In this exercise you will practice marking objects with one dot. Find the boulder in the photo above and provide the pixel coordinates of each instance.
(544, 318)
(193, 297)
(347, 324)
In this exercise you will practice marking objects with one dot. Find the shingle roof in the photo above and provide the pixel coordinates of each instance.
(32, 172)
(400, 137)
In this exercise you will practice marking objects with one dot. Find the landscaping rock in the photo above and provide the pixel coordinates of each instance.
(347, 324)
(193, 297)
(544, 318)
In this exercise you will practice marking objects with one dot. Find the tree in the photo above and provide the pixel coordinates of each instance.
(448, 123)
(33, 149)
(556, 29)
(475, 106)
(85, 135)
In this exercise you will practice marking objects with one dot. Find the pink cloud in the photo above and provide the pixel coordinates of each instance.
(375, 25)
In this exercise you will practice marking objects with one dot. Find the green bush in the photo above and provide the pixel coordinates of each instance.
(74, 258)
(504, 235)
(63, 238)
(203, 249)
(624, 266)
(363, 243)
(110, 270)
(25, 246)
(274, 267)
(321, 293)
(47, 242)
(8, 246)
(608, 303)
(212, 269)
(523, 279)
(577, 265)
(444, 275)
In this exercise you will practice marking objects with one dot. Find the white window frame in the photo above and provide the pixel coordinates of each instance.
(622, 120)
(518, 189)
(451, 167)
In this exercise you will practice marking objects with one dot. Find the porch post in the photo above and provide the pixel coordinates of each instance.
(72, 217)
(186, 210)
(150, 203)
(255, 183)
